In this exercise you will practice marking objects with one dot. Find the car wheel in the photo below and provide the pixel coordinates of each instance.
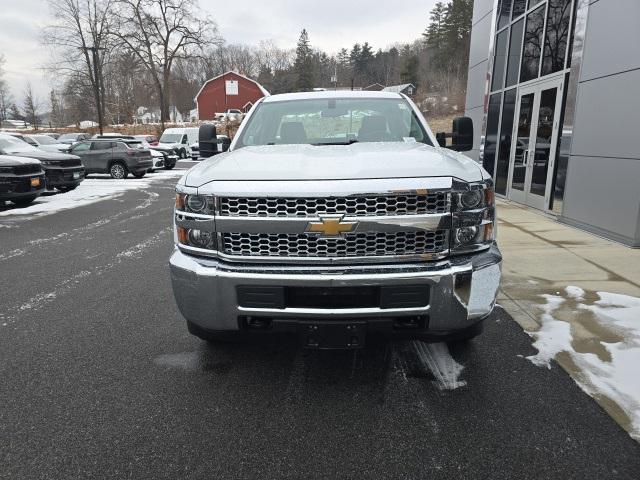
(118, 171)
(24, 201)
(139, 174)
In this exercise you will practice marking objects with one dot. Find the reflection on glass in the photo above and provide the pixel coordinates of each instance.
(519, 7)
(522, 142)
(544, 135)
(493, 118)
(499, 60)
(515, 48)
(557, 33)
(533, 3)
(532, 45)
(504, 13)
(562, 158)
(504, 150)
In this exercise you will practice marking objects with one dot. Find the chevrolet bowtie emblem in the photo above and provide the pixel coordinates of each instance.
(331, 226)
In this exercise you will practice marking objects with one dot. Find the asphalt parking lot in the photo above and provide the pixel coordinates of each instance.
(100, 379)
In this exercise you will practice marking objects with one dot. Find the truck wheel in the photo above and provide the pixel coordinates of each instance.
(118, 171)
(24, 201)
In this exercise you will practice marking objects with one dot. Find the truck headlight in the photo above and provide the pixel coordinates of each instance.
(473, 217)
(201, 204)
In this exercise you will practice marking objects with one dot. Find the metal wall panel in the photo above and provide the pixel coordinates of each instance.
(479, 45)
(602, 195)
(612, 42)
(606, 121)
(476, 82)
(481, 8)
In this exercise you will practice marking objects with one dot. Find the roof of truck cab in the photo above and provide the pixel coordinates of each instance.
(330, 94)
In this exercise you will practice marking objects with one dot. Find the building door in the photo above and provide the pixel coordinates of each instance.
(534, 143)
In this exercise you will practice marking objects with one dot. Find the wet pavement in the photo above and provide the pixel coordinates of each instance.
(100, 379)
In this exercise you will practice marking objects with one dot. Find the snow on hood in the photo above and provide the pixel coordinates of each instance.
(45, 155)
(334, 162)
(11, 160)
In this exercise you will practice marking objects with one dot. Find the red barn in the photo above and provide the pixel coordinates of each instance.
(229, 90)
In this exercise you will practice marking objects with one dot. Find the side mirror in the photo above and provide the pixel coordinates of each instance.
(207, 140)
(225, 143)
(462, 136)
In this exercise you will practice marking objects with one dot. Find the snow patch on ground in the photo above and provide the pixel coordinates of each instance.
(618, 379)
(91, 190)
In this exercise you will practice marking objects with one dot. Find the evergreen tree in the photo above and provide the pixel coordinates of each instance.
(304, 63)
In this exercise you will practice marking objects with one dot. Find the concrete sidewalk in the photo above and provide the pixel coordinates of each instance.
(554, 277)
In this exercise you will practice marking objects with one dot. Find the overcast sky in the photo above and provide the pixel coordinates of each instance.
(331, 24)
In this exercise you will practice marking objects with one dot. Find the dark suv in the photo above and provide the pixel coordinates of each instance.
(21, 179)
(118, 157)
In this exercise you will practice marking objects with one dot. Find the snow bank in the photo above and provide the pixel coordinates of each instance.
(618, 379)
(91, 190)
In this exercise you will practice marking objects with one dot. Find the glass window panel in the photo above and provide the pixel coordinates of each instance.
(504, 150)
(544, 135)
(522, 142)
(499, 60)
(532, 48)
(556, 36)
(504, 13)
(519, 7)
(562, 157)
(490, 139)
(533, 3)
(515, 49)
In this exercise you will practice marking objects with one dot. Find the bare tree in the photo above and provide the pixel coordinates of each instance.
(31, 106)
(80, 37)
(5, 94)
(159, 32)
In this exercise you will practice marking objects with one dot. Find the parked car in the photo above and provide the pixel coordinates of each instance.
(231, 114)
(180, 140)
(21, 179)
(170, 156)
(157, 158)
(117, 157)
(53, 135)
(45, 142)
(62, 170)
(337, 216)
(71, 138)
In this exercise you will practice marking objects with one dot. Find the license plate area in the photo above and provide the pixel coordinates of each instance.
(328, 335)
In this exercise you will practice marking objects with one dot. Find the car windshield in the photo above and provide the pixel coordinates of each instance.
(334, 121)
(13, 145)
(171, 138)
(44, 139)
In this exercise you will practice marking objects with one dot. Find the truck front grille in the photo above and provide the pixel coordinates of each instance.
(361, 206)
(350, 245)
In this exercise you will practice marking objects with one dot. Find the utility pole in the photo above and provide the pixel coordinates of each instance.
(98, 84)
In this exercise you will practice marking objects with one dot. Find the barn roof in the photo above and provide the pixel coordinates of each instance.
(262, 89)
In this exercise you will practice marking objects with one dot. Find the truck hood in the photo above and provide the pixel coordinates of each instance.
(334, 162)
(12, 161)
(44, 155)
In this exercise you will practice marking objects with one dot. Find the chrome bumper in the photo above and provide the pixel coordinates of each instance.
(462, 289)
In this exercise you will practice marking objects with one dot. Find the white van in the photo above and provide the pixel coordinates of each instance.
(181, 140)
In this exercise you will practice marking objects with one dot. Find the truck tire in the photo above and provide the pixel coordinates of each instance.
(118, 171)
(24, 201)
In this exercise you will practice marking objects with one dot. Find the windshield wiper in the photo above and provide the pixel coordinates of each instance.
(348, 142)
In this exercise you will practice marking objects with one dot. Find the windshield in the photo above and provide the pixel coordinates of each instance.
(44, 139)
(171, 138)
(325, 121)
(13, 145)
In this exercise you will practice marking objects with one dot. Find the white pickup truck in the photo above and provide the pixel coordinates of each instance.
(337, 216)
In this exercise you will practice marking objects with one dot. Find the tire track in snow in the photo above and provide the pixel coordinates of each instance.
(435, 357)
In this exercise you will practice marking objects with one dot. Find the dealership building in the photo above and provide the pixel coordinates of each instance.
(554, 94)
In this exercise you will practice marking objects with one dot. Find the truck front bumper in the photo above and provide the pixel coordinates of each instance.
(461, 292)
